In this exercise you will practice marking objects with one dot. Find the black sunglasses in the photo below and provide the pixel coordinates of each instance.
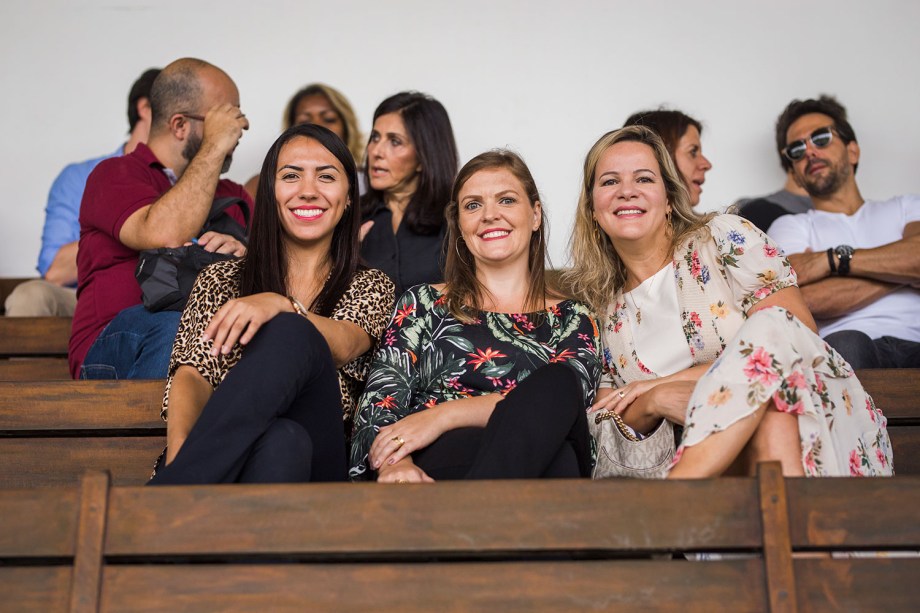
(820, 138)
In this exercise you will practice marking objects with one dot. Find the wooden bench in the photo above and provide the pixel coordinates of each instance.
(34, 348)
(51, 432)
(532, 546)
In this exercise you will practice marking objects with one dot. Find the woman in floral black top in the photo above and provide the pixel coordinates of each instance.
(450, 394)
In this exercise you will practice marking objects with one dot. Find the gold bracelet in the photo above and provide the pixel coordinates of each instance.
(298, 306)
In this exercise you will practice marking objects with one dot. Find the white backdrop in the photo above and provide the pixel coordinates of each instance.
(544, 78)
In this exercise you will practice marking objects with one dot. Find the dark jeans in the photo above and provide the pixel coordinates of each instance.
(135, 345)
(538, 430)
(864, 352)
(275, 418)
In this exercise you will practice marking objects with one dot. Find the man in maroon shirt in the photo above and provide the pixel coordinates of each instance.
(158, 196)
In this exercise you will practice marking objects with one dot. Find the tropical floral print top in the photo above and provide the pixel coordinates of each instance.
(428, 357)
(721, 272)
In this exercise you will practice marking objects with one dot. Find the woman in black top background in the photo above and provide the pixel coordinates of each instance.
(410, 167)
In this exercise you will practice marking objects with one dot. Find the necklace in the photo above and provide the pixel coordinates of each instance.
(645, 291)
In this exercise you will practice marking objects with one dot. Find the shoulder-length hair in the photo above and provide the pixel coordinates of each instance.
(354, 139)
(464, 292)
(597, 270)
(428, 127)
(265, 265)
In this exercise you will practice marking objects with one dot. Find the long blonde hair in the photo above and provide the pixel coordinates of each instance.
(597, 271)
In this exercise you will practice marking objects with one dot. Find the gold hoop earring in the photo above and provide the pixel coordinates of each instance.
(457, 249)
(597, 232)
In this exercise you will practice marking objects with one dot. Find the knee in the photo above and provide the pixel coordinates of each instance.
(284, 453)
(856, 347)
(31, 299)
(290, 334)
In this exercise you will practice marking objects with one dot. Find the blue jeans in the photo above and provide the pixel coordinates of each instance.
(135, 345)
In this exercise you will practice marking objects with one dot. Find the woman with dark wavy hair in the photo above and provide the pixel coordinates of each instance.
(410, 165)
(488, 375)
(272, 349)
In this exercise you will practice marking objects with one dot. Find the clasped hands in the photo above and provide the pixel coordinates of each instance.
(646, 402)
(390, 454)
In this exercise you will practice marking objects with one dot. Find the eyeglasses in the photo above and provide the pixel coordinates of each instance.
(820, 138)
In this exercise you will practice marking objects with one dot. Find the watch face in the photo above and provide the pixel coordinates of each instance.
(844, 251)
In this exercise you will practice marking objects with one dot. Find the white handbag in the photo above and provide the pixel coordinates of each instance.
(620, 453)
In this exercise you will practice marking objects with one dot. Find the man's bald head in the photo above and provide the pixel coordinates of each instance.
(181, 88)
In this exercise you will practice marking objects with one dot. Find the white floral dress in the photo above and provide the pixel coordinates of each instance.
(721, 273)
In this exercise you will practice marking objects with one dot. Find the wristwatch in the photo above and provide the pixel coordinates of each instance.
(844, 255)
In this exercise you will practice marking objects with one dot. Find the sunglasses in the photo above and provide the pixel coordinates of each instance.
(820, 138)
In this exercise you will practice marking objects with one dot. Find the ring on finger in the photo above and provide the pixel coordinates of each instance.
(621, 394)
(399, 441)
(401, 481)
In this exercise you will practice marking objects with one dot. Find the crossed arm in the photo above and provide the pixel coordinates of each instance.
(873, 274)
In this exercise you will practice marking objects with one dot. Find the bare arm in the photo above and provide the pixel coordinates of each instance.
(63, 269)
(238, 321)
(188, 394)
(836, 296)
(178, 215)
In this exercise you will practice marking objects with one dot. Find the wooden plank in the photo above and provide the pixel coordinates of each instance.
(87, 569)
(34, 336)
(780, 581)
(853, 513)
(896, 391)
(858, 584)
(37, 588)
(38, 523)
(34, 369)
(44, 462)
(370, 521)
(534, 587)
(905, 442)
(81, 405)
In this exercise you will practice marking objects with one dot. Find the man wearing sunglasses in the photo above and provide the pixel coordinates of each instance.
(157, 196)
(858, 261)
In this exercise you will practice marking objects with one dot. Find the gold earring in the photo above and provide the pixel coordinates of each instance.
(670, 229)
(597, 232)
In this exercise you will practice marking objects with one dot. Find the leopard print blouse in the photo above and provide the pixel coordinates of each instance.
(368, 302)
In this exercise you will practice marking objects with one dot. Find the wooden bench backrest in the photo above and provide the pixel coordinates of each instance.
(53, 432)
(509, 546)
(34, 336)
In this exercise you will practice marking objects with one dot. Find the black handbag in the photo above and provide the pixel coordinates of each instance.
(167, 275)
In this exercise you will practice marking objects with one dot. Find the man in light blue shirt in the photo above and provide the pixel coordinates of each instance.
(55, 293)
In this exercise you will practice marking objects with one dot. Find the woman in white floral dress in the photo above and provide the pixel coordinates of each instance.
(707, 328)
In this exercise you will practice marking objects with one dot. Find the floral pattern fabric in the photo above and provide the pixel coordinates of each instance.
(428, 357)
(841, 430)
(722, 272)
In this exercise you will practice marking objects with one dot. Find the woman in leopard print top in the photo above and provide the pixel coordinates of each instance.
(259, 383)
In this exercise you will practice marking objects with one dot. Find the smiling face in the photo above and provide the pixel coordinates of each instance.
(316, 109)
(496, 217)
(629, 196)
(692, 164)
(392, 162)
(822, 172)
(311, 189)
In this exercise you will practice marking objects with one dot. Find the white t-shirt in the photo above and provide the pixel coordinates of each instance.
(873, 225)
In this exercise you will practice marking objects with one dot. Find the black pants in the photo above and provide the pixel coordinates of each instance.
(861, 351)
(538, 430)
(275, 418)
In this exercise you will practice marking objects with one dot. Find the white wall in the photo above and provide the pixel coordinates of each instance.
(545, 78)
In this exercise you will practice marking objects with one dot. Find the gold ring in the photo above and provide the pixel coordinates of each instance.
(399, 440)
(622, 394)
(401, 481)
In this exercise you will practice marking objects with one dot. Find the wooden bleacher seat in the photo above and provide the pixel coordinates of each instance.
(51, 432)
(536, 546)
(34, 348)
